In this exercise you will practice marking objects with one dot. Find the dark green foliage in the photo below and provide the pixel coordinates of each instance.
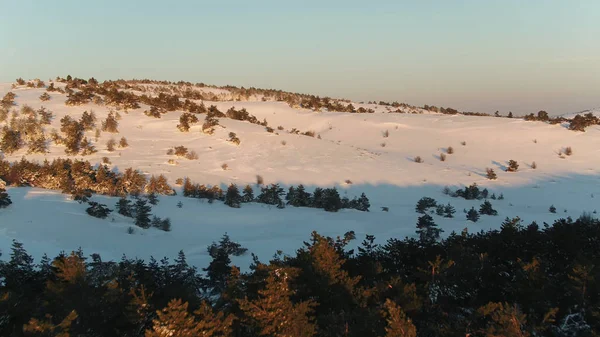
(230, 247)
(472, 215)
(142, 213)
(501, 196)
(486, 208)
(427, 230)
(152, 198)
(471, 192)
(331, 200)
(449, 211)
(298, 197)
(124, 207)
(233, 197)
(361, 204)
(248, 194)
(424, 203)
(484, 284)
(317, 198)
(271, 195)
(4, 198)
(98, 210)
(552, 209)
(439, 210)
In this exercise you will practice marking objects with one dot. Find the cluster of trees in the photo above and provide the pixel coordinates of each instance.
(327, 199)
(24, 128)
(140, 211)
(75, 176)
(521, 280)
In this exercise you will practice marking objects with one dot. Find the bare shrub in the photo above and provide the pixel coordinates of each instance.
(309, 133)
(568, 151)
(259, 180)
(170, 152)
(463, 143)
(192, 155)
(386, 134)
(418, 159)
(442, 157)
(450, 150)
(172, 162)
(106, 160)
(179, 181)
(181, 151)
(382, 144)
(283, 142)
(348, 181)
(280, 128)
(224, 167)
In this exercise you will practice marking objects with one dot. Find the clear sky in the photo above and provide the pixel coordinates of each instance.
(476, 55)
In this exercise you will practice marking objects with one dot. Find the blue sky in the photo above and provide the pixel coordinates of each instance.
(474, 55)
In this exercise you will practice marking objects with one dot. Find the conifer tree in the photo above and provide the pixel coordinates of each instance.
(152, 198)
(233, 197)
(98, 210)
(248, 195)
(317, 198)
(4, 198)
(363, 203)
(490, 174)
(142, 213)
(271, 195)
(472, 215)
(486, 208)
(110, 124)
(331, 200)
(175, 321)
(300, 197)
(124, 207)
(397, 324)
(424, 203)
(449, 211)
(427, 229)
(274, 313)
(218, 270)
(11, 140)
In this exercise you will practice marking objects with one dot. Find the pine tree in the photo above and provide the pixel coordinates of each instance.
(363, 203)
(175, 321)
(98, 210)
(152, 198)
(142, 213)
(271, 195)
(218, 270)
(397, 324)
(504, 320)
(424, 203)
(439, 210)
(331, 200)
(4, 198)
(274, 313)
(291, 195)
(300, 198)
(486, 208)
(124, 207)
(110, 124)
(472, 215)
(490, 174)
(513, 166)
(248, 195)
(317, 198)
(552, 209)
(233, 197)
(449, 211)
(427, 229)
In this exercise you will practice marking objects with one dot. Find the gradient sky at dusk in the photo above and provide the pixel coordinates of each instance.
(473, 55)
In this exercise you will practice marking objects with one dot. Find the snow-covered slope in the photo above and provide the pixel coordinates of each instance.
(595, 112)
(374, 151)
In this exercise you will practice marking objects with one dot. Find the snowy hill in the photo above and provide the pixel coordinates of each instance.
(595, 112)
(372, 153)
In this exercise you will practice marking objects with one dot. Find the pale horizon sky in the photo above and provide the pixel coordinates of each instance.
(472, 55)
